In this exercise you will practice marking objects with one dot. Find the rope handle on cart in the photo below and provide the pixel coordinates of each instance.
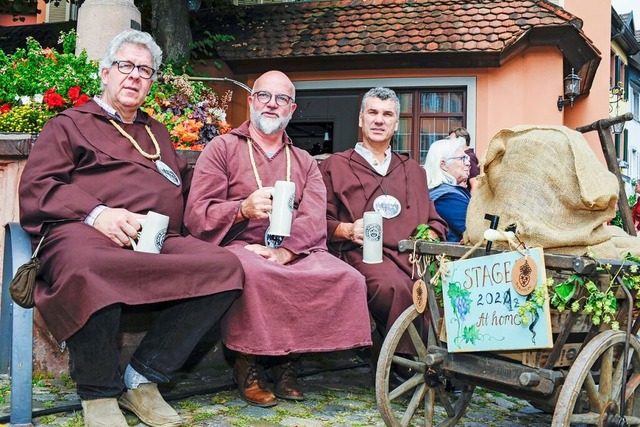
(490, 235)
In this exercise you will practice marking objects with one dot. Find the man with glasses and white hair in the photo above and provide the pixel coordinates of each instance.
(297, 298)
(95, 173)
(372, 177)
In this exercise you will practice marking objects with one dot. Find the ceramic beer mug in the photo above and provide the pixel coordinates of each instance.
(151, 236)
(372, 241)
(284, 193)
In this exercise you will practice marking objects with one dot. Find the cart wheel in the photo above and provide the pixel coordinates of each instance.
(423, 388)
(590, 394)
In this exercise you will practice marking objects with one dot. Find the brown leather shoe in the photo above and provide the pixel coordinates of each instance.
(251, 382)
(285, 378)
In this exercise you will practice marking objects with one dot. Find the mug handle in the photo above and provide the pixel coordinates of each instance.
(134, 244)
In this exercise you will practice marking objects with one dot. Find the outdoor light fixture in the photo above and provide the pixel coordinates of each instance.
(571, 90)
(616, 95)
(617, 128)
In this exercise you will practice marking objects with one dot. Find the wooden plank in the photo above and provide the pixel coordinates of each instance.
(560, 320)
(538, 358)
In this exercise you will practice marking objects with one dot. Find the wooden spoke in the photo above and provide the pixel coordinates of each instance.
(415, 394)
(590, 394)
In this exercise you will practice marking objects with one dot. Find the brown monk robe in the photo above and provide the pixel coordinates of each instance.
(94, 172)
(298, 298)
(353, 184)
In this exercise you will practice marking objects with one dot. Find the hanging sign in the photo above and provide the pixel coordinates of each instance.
(481, 303)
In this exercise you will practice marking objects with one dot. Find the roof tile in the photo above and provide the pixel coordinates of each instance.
(348, 27)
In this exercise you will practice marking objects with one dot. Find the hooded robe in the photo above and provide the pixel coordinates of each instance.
(80, 161)
(352, 186)
(315, 303)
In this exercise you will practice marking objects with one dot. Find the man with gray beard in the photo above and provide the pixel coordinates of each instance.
(297, 297)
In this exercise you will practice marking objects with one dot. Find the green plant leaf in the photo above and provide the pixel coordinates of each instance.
(565, 291)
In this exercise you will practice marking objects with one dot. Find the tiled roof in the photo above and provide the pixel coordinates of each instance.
(362, 27)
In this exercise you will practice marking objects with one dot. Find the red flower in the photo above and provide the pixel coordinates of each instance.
(74, 93)
(53, 99)
(5, 108)
(82, 99)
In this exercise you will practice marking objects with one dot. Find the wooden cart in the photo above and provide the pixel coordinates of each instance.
(591, 375)
(580, 379)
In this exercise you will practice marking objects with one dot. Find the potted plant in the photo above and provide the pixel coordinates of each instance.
(36, 83)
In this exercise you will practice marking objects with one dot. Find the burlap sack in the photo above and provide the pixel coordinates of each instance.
(548, 182)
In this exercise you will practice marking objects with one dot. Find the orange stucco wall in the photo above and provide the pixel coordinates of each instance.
(596, 17)
(7, 20)
(523, 91)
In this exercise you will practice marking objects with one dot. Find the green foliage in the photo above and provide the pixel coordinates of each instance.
(422, 233)
(617, 220)
(34, 70)
(25, 119)
(582, 295)
(4, 392)
(206, 45)
(534, 302)
(36, 83)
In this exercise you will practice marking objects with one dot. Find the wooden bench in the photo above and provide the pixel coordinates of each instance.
(16, 328)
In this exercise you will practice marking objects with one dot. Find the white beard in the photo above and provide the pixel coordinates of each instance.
(268, 125)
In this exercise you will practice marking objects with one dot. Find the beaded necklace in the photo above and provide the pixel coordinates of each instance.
(255, 168)
(135, 143)
(162, 167)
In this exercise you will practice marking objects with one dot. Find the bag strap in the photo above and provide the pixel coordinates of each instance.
(37, 249)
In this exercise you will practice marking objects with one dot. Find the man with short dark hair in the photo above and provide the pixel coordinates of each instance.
(371, 177)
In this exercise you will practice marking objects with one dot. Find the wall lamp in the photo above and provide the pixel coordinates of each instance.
(616, 95)
(571, 90)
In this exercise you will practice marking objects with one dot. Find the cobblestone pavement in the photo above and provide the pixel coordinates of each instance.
(335, 396)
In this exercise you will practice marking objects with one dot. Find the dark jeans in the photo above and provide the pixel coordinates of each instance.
(180, 325)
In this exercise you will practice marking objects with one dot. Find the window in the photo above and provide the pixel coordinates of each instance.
(426, 116)
(635, 102)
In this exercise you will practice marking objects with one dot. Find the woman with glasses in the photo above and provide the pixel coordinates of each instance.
(447, 167)
(93, 175)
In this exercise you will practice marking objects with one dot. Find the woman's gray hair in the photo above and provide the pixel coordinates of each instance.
(442, 149)
(132, 37)
(382, 93)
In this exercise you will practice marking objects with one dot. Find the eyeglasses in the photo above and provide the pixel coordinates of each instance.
(281, 99)
(465, 158)
(127, 67)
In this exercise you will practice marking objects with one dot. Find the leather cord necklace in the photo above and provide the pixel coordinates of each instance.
(255, 168)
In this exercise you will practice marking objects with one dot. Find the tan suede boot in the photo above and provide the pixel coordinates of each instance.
(147, 403)
(103, 413)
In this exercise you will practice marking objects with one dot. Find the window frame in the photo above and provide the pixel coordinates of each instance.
(466, 84)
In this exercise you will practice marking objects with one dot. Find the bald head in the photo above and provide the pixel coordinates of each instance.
(275, 81)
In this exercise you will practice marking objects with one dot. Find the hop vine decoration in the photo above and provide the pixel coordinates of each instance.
(422, 233)
(599, 304)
